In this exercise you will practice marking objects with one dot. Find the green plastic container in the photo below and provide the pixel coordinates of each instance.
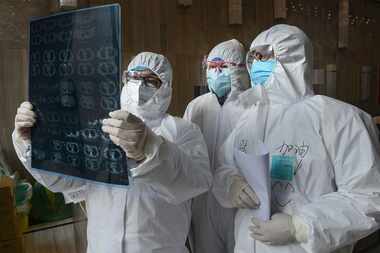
(23, 193)
(48, 206)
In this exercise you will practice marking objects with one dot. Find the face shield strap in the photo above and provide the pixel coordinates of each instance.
(263, 107)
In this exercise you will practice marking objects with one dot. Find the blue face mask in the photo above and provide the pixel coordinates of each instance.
(219, 82)
(261, 70)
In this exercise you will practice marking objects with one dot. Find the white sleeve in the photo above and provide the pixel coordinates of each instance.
(194, 112)
(352, 212)
(178, 170)
(225, 171)
(73, 189)
(187, 115)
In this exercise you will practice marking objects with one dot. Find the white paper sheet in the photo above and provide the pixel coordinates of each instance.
(255, 169)
(243, 240)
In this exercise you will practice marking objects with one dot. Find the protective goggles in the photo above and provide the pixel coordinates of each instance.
(147, 76)
(260, 53)
(219, 64)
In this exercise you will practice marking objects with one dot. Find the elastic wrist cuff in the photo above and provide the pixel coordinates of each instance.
(300, 229)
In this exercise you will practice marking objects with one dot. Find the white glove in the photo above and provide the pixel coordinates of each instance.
(242, 195)
(24, 120)
(280, 230)
(127, 131)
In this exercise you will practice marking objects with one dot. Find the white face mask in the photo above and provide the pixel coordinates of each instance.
(138, 93)
(144, 99)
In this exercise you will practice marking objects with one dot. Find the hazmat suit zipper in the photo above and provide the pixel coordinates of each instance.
(123, 241)
(218, 120)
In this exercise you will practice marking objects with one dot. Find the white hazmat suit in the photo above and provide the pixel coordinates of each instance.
(333, 188)
(212, 225)
(152, 214)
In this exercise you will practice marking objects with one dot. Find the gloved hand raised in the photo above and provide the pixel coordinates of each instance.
(24, 121)
(279, 230)
(242, 195)
(127, 131)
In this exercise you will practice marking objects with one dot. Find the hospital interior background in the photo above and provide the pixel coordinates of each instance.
(346, 41)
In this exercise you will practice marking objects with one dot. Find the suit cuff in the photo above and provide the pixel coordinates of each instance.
(301, 230)
(151, 150)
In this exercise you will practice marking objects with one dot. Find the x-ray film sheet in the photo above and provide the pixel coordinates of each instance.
(74, 82)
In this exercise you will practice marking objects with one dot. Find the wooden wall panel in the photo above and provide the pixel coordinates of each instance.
(344, 9)
(279, 9)
(14, 84)
(62, 238)
(248, 29)
(264, 14)
(13, 67)
(235, 12)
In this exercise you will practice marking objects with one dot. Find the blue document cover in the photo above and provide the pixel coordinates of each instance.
(74, 82)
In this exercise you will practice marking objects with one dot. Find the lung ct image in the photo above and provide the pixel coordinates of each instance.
(74, 82)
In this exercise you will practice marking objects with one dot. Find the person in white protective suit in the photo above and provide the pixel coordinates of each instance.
(324, 156)
(171, 167)
(216, 113)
